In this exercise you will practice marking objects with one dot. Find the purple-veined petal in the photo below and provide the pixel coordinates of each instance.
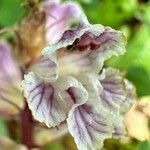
(59, 18)
(74, 62)
(88, 46)
(130, 98)
(90, 124)
(51, 102)
(46, 67)
(78, 63)
(113, 93)
(118, 127)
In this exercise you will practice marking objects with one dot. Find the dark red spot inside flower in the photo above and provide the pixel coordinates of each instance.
(94, 46)
(85, 41)
(88, 41)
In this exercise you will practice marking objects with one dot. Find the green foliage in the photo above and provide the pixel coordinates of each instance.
(54, 146)
(140, 78)
(10, 12)
(144, 146)
(3, 128)
(132, 145)
(109, 12)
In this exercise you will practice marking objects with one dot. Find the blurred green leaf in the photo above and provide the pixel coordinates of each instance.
(144, 146)
(3, 128)
(108, 12)
(116, 144)
(10, 12)
(54, 146)
(141, 79)
(145, 13)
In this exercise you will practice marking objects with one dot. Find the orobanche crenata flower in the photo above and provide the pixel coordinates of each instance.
(68, 83)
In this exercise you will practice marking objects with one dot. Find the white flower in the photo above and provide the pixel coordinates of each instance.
(66, 84)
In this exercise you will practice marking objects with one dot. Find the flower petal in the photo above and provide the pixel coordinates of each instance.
(130, 99)
(50, 102)
(9, 71)
(59, 18)
(88, 46)
(11, 99)
(114, 92)
(92, 85)
(90, 123)
(46, 67)
(89, 126)
(119, 127)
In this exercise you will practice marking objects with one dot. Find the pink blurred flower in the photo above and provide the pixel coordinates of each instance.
(9, 71)
(11, 99)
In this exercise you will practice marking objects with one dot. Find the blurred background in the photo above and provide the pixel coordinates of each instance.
(132, 17)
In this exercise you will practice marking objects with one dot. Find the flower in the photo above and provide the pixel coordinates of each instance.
(11, 99)
(68, 83)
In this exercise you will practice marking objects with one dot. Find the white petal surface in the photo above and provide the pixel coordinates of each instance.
(130, 98)
(89, 126)
(46, 67)
(113, 93)
(90, 123)
(88, 46)
(50, 102)
(119, 127)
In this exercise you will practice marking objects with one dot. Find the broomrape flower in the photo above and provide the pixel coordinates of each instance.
(68, 83)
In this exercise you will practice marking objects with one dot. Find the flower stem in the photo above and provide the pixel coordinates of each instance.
(27, 126)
